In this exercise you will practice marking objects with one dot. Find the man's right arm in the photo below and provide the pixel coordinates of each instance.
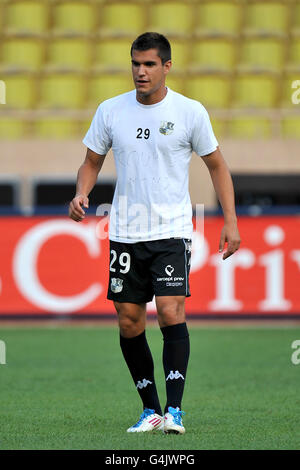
(86, 180)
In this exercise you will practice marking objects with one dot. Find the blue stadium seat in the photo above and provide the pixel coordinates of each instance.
(12, 128)
(62, 91)
(119, 19)
(255, 91)
(74, 17)
(22, 54)
(173, 18)
(213, 54)
(180, 54)
(26, 16)
(219, 126)
(293, 62)
(55, 128)
(295, 27)
(20, 91)
(175, 83)
(213, 91)
(250, 127)
(291, 127)
(102, 87)
(267, 17)
(219, 18)
(262, 54)
(69, 54)
(112, 54)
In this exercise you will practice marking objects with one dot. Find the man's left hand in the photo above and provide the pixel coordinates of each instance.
(231, 236)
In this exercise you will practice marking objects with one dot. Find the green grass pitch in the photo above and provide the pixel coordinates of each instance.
(69, 388)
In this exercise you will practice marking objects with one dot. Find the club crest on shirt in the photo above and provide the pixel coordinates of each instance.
(116, 285)
(166, 127)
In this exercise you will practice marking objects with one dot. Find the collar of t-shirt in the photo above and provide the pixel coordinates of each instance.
(162, 102)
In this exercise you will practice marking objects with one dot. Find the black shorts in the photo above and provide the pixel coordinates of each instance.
(140, 270)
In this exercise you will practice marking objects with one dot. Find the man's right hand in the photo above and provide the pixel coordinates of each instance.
(76, 211)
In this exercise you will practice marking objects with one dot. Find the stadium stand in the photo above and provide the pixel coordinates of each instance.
(20, 90)
(250, 127)
(294, 54)
(73, 17)
(70, 55)
(213, 90)
(9, 192)
(59, 191)
(65, 91)
(26, 17)
(61, 128)
(255, 90)
(12, 128)
(22, 54)
(180, 55)
(171, 18)
(218, 18)
(291, 127)
(214, 55)
(267, 18)
(262, 54)
(111, 55)
(122, 19)
(102, 87)
(295, 18)
(60, 58)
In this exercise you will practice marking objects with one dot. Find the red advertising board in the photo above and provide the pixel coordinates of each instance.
(52, 265)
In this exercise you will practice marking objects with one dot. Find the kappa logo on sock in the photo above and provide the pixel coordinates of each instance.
(143, 384)
(174, 375)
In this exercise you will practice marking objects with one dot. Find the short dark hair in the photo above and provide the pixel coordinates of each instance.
(153, 41)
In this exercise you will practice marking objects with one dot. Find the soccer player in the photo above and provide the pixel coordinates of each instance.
(152, 131)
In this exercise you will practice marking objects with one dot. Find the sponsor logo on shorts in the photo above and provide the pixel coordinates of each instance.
(116, 285)
(171, 281)
(169, 270)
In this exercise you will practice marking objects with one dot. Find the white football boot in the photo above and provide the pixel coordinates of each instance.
(173, 421)
(149, 421)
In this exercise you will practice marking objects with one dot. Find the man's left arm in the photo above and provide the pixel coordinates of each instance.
(222, 182)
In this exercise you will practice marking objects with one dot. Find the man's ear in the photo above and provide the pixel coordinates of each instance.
(167, 66)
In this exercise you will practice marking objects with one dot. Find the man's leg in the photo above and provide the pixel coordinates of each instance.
(136, 352)
(176, 349)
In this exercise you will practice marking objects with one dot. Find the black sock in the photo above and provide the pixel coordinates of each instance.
(176, 353)
(139, 360)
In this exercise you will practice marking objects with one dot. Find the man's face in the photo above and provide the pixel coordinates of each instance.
(148, 72)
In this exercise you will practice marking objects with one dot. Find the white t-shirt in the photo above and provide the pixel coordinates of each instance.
(152, 147)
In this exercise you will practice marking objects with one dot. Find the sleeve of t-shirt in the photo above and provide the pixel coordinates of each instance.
(97, 137)
(203, 138)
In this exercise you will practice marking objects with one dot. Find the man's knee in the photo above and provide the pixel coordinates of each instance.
(131, 318)
(170, 310)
